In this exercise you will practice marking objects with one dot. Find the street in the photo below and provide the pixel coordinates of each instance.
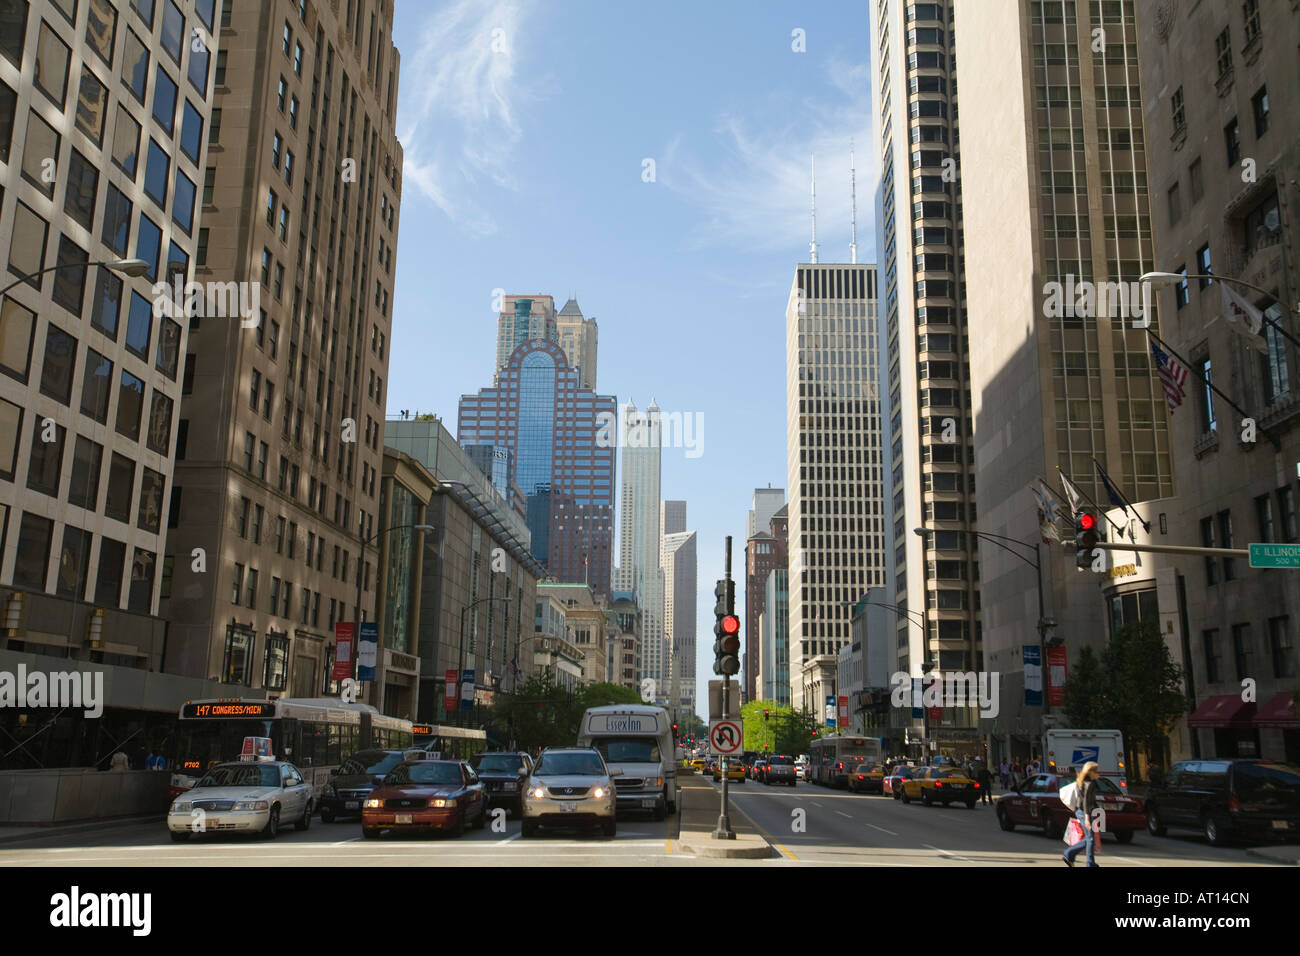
(839, 828)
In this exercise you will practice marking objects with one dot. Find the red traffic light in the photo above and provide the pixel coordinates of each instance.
(730, 624)
(1087, 521)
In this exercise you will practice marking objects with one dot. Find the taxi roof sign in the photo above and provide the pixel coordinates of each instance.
(256, 748)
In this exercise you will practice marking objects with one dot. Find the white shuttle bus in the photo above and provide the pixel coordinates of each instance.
(638, 740)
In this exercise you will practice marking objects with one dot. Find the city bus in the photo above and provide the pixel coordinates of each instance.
(830, 759)
(449, 743)
(315, 734)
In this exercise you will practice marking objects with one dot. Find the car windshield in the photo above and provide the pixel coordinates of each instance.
(1108, 787)
(241, 775)
(629, 749)
(425, 773)
(374, 763)
(570, 764)
(496, 763)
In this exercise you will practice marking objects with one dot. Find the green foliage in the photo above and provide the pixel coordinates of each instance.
(541, 714)
(1135, 687)
(783, 732)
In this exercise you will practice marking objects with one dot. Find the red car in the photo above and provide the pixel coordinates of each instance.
(893, 782)
(426, 795)
(1038, 804)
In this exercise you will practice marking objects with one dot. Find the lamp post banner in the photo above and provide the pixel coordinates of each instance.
(449, 690)
(1057, 672)
(466, 690)
(342, 651)
(367, 650)
(1032, 656)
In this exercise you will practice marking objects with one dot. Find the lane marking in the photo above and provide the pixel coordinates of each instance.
(516, 836)
(882, 829)
(766, 836)
(844, 815)
(1128, 860)
(945, 853)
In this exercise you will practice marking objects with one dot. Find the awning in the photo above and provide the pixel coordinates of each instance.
(1223, 711)
(1279, 712)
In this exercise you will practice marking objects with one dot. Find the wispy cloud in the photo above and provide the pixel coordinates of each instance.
(461, 100)
(756, 195)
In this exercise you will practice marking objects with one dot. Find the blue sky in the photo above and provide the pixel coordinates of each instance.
(526, 127)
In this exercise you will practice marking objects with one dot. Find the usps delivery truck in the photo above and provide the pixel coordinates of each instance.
(1066, 751)
(638, 740)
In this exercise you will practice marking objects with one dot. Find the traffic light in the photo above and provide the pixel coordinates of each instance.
(1087, 531)
(766, 714)
(726, 648)
(674, 733)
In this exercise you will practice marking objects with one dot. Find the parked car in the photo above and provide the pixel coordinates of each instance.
(352, 782)
(1228, 800)
(1037, 803)
(780, 769)
(503, 775)
(570, 786)
(426, 795)
(867, 778)
(941, 785)
(892, 783)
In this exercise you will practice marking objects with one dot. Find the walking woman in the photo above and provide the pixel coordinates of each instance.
(1085, 786)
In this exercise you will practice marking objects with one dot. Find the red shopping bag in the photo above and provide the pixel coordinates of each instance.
(1074, 832)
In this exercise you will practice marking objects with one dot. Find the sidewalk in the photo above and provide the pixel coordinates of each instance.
(14, 834)
(697, 809)
(1288, 853)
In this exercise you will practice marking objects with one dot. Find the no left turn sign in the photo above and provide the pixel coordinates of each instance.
(726, 737)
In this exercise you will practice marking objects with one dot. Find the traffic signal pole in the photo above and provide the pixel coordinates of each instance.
(724, 831)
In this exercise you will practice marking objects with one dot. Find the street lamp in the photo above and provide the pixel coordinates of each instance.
(127, 267)
(1159, 280)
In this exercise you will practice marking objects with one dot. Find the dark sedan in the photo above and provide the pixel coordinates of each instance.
(503, 775)
(426, 795)
(352, 782)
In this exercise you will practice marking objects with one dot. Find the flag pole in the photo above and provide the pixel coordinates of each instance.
(1146, 525)
(1100, 509)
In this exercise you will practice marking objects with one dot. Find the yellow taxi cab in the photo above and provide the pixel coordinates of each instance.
(867, 778)
(735, 770)
(698, 764)
(941, 785)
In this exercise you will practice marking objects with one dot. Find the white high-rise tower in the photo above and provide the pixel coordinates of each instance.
(639, 568)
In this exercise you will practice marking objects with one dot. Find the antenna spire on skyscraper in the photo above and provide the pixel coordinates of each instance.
(853, 198)
(813, 245)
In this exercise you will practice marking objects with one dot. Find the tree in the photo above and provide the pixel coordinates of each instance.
(1134, 687)
(536, 714)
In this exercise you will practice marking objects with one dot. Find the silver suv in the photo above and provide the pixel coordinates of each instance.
(570, 787)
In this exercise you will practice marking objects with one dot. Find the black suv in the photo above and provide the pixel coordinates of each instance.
(352, 782)
(503, 774)
(1225, 799)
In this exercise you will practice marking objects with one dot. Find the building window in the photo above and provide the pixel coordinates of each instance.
(1203, 266)
(1225, 541)
(1208, 423)
(1287, 512)
(1180, 115)
(1259, 107)
(275, 675)
(1182, 295)
(1232, 141)
(1264, 516)
(31, 563)
(237, 585)
(1250, 13)
(1195, 180)
(1223, 52)
(1174, 204)
(1207, 541)
(238, 663)
(1242, 652)
(1211, 640)
(46, 461)
(1280, 647)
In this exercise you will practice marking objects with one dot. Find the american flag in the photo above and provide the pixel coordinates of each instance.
(1173, 375)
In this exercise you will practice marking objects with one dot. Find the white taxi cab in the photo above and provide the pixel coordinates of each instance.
(248, 796)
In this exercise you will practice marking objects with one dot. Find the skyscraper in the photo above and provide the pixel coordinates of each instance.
(681, 577)
(919, 227)
(280, 472)
(524, 318)
(578, 337)
(639, 568)
(763, 553)
(94, 95)
(1053, 166)
(559, 438)
(835, 465)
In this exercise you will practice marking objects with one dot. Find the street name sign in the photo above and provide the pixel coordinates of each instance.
(1275, 555)
(726, 737)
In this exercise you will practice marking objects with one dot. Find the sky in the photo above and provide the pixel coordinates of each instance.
(653, 162)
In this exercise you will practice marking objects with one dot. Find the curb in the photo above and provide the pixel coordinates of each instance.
(36, 831)
(1272, 857)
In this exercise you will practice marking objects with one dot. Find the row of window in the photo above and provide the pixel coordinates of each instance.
(1281, 651)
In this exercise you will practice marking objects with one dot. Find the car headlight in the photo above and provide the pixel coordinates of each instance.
(441, 802)
(538, 792)
(373, 804)
(251, 805)
(598, 792)
(182, 807)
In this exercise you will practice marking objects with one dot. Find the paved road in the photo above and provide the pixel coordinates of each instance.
(836, 827)
(874, 830)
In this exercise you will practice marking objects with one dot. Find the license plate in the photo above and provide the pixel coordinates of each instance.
(352, 805)
(569, 807)
(403, 818)
(507, 786)
(648, 804)
(1280, 824)
(958, 786)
